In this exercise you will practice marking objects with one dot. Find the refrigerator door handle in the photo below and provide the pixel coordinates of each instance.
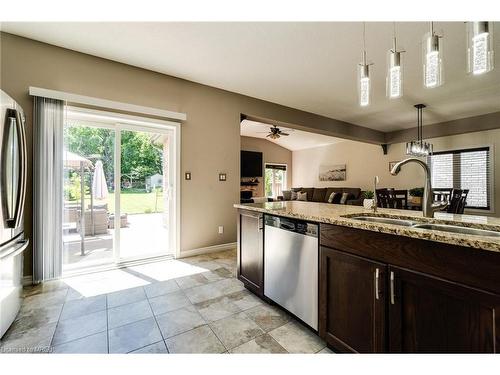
(17, 248)
(21, 194)
(9, 208)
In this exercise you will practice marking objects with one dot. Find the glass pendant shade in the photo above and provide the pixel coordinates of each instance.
(480, 47)
(364, 84)
(432, 60)
(394, 79)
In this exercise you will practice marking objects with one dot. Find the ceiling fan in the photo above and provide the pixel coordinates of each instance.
(275, 132)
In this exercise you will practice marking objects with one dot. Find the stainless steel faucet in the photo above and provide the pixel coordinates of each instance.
(375, 201)
(428, 206)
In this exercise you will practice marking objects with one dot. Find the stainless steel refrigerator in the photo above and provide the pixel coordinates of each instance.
(13, 164)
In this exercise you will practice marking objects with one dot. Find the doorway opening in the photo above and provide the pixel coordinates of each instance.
(120, 190)
(274, 180)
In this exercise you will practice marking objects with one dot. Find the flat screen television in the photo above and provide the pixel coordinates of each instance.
(251, 164)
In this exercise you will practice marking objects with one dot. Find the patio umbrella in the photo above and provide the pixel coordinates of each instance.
(99, 187)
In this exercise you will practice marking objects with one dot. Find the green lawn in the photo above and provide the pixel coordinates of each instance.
(133, 202)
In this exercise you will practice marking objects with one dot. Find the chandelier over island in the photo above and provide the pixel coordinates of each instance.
(419, 147)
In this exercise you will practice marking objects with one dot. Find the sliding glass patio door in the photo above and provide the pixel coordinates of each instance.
(89, 155)
(144, 194)
(119, 192)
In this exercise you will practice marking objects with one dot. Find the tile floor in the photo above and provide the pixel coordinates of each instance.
(191, 305)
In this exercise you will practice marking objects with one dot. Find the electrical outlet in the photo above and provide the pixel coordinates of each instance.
(221, 229)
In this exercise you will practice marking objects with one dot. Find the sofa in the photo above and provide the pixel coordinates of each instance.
(256, 200)
(323, 194)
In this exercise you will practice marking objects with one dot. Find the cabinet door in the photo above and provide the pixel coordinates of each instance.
(250, 251)
(352, 302)
(431, 315)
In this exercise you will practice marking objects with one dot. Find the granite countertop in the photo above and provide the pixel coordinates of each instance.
(339, 215)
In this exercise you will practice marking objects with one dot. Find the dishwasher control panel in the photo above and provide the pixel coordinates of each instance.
(292, 225)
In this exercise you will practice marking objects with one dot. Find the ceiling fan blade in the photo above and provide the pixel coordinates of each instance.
(286, 134)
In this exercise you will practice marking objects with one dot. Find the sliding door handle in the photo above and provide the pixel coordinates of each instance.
(392, 287)
(377, 277)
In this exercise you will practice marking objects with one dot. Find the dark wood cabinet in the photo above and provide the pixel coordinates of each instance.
(352, 302)
(250, 258)
(433, 298)
(431, 315)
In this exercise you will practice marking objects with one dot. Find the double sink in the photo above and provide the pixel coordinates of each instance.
(440, 227)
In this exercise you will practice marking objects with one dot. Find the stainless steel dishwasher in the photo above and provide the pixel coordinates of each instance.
(291, 266)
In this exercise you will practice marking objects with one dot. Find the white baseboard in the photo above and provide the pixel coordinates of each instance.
(208, 249)
(27, 280)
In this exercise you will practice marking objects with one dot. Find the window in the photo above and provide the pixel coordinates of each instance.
(275, 180)
(464, 169)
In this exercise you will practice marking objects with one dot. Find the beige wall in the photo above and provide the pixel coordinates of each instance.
(364, 161)
(210, 136)
(271, 153)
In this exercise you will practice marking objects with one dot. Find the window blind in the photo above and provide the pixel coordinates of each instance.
(276, 166)
(464, 169)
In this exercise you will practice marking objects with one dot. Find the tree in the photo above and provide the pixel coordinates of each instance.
(140, 155)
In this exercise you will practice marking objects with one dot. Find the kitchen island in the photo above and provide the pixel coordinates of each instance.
(387, 287)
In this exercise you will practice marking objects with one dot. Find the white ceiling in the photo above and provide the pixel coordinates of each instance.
(309, 66)
(297, 140)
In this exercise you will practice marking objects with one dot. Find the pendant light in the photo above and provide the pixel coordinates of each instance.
(479, 47)
(433, 59)
(394, 78)
(419, 147)
(364, 84)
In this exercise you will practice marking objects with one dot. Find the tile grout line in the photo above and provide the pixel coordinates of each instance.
(156, 321)
(19, 317)
(218, 338)
(58, 320)
(205, 320)
(145, 346)
(107, 325)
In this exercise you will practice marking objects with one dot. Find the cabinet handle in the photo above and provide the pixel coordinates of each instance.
(392, 288)
(377, 275)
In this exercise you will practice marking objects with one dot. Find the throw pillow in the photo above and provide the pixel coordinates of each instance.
(344, 198)
(336, 198)
(302, 196)
(332, 197)
(293, 195)
(287, 195)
